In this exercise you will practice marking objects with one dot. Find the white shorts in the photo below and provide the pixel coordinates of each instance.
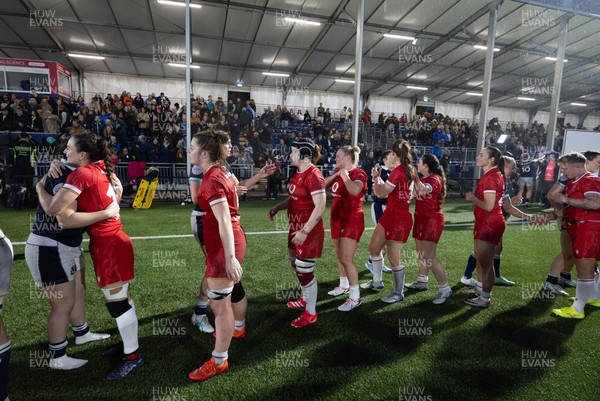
(377, 210)
(6, 263)
(527, 181)
(51, 262)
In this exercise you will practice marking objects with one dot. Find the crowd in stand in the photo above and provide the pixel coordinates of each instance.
(152, 128)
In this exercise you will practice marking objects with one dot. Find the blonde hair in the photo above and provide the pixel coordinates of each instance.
(352, 151)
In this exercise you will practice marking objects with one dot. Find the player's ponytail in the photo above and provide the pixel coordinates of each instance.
(402, 149)
(435, 167)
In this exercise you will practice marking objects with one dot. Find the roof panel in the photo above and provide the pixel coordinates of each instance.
(241, 24)
(317, 61)
(271, 31)
(263, 56)
(339, 65)
(74, 37)
(33, 35)
(235, 53)
(303, 35)
(456, 13)
(389, 13)
(336, 38)
(125, 9)
(208, 20)
(111, 37)
(142, 42)
(97, 11)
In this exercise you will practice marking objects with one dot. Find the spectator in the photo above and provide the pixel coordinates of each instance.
(140, 149)
(223, 125)
(114, 143)
(307, 117)
(20, 120)
(114, 158)
(125, 157)
(51, 122)
(154, 150)
(321, 111)
(245, 162)
(35, 122)
(167, 152)
(265, 136)
(235, 128)
(285, 117)
(274, 180)
(343, 114)
(367, 165)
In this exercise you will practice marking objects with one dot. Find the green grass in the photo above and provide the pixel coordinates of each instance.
(463, 353)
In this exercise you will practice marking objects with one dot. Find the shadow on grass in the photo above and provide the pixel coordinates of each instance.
(509, 351)
(338, 349)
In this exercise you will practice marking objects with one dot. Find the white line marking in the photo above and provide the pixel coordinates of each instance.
(270, 232)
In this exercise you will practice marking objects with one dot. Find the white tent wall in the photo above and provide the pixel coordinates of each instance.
(265, 96)
(572, 119)
(506, 114)
(389, 105)
(455, 110)
(310, 100)
(591, 122)
(173, 88)
(542, 117)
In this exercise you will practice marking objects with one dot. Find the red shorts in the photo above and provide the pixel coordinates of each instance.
(586, 240)
(349, 227)
(397, 226)
(113, 258)
(428, 227)
(489, 229)
(312, 247)
(215, 255)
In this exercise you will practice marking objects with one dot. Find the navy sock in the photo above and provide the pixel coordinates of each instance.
(4, 360)
(566, 276)
(201, 307)
(471, 265)
(81, 330)
(552, 279)
(57, 349)
(497, 265)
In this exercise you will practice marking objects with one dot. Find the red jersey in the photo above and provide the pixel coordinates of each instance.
(301, 188)
(577, 189)
(491, 182)
(95, 193)
(399, 198)
(216, 187)
(344, 204)
(432, 202)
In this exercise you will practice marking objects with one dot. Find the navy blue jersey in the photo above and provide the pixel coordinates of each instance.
(526, 168)
(47, 226)
(385, 172)
(196, 176)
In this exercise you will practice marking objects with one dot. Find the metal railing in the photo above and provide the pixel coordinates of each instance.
(172, 176)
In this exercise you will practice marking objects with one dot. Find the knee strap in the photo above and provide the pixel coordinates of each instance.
(305, 265)
(238, 293)
(122, 293)
(218, 295)
(118, 308)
